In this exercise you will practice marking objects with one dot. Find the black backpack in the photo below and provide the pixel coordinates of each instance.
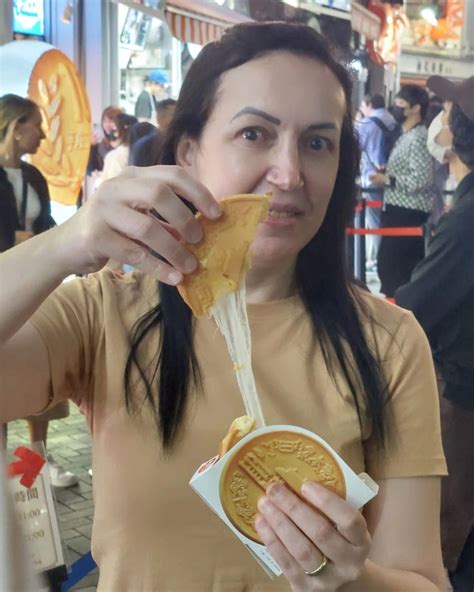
(390, 136)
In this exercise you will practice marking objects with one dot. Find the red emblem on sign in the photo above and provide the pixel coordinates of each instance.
(29, 466)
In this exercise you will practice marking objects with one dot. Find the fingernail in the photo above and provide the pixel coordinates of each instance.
(189, 265)
(274, 490)
(263, 504)
(215, 211)
(310, 488)
(175, 278)
(195, 234)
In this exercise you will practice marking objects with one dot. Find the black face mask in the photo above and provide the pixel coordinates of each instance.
(399, 114)
(110, 136)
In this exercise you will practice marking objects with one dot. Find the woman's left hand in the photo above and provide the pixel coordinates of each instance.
(298, 536)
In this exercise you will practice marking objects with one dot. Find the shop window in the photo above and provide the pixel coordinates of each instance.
(145, 45)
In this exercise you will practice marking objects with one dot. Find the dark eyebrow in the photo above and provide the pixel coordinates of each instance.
(252, 111)
(258, 113)
(322, 126)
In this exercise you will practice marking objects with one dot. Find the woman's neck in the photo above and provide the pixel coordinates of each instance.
(10, 161)
(270, 284)
(411, 123)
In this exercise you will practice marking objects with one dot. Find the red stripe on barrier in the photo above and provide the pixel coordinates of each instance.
(412, 231)
(375, 203)
(368, 203)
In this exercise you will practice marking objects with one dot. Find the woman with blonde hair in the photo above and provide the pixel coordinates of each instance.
(24, 212)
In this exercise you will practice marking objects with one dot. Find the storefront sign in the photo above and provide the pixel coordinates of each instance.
(28, 17)
(36, 516)
(426, 66)
(48, 77)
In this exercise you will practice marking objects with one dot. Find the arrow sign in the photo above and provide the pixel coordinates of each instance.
(29, 466)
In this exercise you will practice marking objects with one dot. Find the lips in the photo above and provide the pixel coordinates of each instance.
(289, 208)
(283, 211)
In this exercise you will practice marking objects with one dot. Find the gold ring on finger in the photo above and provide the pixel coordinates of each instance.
(319, 569)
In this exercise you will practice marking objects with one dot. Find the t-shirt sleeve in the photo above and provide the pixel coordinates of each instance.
(69, 323)
(414, 446)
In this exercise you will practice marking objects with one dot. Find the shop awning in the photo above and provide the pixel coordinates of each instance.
(365, 22)
(195, 21)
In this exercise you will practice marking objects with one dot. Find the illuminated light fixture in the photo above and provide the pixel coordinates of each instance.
(429, 14)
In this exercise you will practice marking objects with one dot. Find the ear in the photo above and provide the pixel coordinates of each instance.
(416, 109)
(186, 152)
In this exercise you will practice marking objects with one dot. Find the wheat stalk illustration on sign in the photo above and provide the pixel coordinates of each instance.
(55, 160)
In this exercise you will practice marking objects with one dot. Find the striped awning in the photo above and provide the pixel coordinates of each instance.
(192, 29)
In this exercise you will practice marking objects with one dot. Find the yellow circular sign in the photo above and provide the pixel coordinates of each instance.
(60, 94)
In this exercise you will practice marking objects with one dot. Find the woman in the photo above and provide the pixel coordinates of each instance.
(237, 129)
(102, 146)
(116, 160)
(410, 190)
(24, 212)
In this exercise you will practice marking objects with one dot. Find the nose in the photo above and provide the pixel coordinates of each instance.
(42, 134)
(285, 167)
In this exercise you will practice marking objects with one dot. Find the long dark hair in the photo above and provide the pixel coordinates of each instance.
(322, 277)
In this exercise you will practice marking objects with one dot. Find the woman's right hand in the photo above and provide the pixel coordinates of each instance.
(118, 223)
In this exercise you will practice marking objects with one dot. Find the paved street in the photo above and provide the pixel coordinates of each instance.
(69, 442)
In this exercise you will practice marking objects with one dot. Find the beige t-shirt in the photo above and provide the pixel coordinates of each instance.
(151, 531)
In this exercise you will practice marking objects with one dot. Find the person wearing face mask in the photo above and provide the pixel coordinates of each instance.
(440, 140)
(409, 190)
(25, 212)
(117, 159)
(441, 295)
(109, 140)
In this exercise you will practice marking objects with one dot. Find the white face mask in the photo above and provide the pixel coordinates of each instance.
(436, 150)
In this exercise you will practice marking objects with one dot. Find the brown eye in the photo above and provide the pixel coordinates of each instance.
(318, 143)
(252, 134)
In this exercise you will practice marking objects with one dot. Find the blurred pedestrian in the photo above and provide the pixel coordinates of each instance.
(104, 140)
(140, 130)
(24, 212)
(375, 132)
(146, 152)
(154, 90)
(440, 140)
(409, 190)
(435, 106)
(117, 159)
(441, 294)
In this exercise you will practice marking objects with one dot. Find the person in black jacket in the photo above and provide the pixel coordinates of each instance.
(441, 295)
(24, 212)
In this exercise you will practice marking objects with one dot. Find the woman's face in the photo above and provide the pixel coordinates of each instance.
(276, 127)
(28, 135)
(109, 125)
